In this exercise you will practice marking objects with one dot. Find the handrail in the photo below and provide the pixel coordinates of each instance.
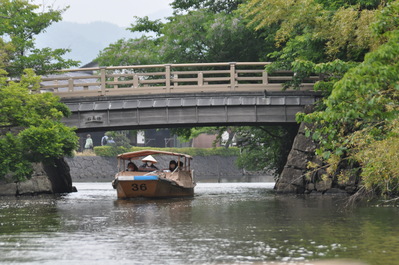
(167, 78)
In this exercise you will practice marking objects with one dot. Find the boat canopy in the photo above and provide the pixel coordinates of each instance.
(137, 154)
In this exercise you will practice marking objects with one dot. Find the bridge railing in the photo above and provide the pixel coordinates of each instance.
(167, 78)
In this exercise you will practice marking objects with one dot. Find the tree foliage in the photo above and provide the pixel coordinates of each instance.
(138, 51)
(361, 112)
(20, 22)
(30, 126)
(213, 6)
(353, 47)
(199, 35)
(314, 31)
(265, 147)
(30, 122)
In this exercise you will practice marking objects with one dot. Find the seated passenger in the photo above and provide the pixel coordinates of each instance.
(181, 165)
(172, 166)
(131, 167)
(148, 165)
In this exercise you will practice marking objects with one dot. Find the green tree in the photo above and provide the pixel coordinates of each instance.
(214, 6)
(265, 147)
(30, 126)
(357, 125)
(20, 22)
(360, 112)
(353, 46)
(313, 31)
(200, 35)
(140, 51)
(120, 138)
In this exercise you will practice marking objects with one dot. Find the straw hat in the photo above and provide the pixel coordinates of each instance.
(149, 158)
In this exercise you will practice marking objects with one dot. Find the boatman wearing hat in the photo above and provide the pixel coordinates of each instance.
(148, 165)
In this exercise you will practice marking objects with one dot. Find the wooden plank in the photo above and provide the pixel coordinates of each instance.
(250, 78)
(128, 82)
(151, 74)
(152, 81)
(201, 71)
(250, 71)
(44, 79)
(74, 85)
(280, 78)
(215, 79)
(184, 79)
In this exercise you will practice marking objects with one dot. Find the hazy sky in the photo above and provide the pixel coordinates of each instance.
(119, 12)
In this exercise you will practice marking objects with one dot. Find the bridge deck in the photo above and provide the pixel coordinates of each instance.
(186, 110)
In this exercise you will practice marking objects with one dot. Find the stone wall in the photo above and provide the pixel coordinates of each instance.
(293, 179)
(47, 178)
(206, 169)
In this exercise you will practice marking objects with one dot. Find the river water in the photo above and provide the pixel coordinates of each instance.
(225, 223)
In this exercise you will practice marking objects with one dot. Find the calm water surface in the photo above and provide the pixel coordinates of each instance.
(226, 223)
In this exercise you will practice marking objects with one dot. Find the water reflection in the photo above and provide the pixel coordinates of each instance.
(227, 223)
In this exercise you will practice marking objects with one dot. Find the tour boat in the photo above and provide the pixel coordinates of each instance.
(156, 183)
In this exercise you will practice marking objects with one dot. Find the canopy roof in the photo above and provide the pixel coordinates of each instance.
(137, 154)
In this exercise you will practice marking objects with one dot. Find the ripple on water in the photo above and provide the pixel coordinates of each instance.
(225, 223)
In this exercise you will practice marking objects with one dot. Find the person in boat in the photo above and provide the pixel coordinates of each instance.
(148, 165)
(172, 166)
(181, 165)
(131, 167)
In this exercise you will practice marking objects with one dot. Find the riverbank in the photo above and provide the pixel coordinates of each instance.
(206, 169)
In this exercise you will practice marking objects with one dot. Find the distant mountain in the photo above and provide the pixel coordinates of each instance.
(85, 40)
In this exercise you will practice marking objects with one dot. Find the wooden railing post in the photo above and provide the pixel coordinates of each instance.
(56, 88)
(200, 79)
(265, 77)
(115, 80)
(233, 79)
(167, 77)
(70, 85)
(135, 81)
(103, 80)
(175, 77)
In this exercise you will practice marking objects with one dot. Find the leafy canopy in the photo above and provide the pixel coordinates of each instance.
(205, 32)
(354, 47)
(361, 114)
(30, 127)
(20, 22)
(30, 122)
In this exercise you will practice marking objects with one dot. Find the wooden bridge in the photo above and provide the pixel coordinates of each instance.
(178, 95)
(168, 78)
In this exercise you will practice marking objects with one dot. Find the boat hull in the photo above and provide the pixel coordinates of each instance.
(150, 188)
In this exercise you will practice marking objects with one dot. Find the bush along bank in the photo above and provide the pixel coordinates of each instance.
(113, 151)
